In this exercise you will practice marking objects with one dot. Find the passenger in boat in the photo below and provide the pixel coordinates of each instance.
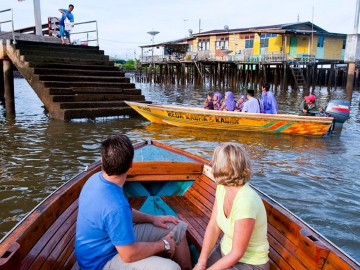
(308, 106)
(240, 104)
(217, 101)
(230, 103)
(208, 103)
(238, 213)
(268, 100)
(106, 237)
(252, 105)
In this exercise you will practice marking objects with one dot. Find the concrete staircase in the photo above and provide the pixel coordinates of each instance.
(74, 81)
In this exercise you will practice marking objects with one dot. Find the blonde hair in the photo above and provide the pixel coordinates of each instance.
(231, 165)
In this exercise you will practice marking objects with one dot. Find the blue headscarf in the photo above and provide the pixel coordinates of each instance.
(230, 101)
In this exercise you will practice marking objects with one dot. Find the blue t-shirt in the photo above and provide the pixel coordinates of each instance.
(68, 15)
(104, 221)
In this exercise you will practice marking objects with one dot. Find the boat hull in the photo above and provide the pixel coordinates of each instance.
(235, 121)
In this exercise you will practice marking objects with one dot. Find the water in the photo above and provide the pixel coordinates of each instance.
(316, 178)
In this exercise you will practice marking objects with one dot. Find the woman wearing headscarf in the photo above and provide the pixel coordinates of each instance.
(240, 104)
(217, 100)
(230, 103)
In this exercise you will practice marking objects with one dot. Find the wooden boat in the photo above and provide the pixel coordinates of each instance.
(163, 180)
(237, 121)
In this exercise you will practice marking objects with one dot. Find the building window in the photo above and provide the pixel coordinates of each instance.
(344, 44)
(222, 43)
(264, 40)
(249, 41)
(320, 43)
(204, 44)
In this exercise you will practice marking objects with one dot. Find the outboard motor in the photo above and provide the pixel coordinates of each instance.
(340, 111)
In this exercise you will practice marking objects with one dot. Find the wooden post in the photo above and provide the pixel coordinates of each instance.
(9, 87)
(285, 83)
(350, 81)
(2, 89)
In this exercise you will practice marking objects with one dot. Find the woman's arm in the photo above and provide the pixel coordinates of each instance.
(211, 235)
(242, 233)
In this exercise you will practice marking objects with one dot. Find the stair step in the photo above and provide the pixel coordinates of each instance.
(97, 97)
(90, 104)
(61, 91)
(94, 90)
(56, 48)
(77, 72)
(97, 112)
(65, 60)
(80, 66)
(64, 84)
(70, 79)
(70, 55)
(22, 44)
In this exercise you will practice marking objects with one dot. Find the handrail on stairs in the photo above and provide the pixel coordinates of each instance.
(9, 21)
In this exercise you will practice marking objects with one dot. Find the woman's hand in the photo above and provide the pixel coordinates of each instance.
(160, 221)
(200, 266)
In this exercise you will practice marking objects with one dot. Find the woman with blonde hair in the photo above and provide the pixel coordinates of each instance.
(238, 213)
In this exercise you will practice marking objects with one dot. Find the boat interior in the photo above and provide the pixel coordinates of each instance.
(163, 180)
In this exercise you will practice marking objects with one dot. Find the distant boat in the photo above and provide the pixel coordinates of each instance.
(255, 122)
(163, 180)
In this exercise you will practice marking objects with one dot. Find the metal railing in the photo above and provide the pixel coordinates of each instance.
(87, 32)
(9, 21)
(53, 26)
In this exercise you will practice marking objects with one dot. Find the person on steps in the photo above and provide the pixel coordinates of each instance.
(66, 15)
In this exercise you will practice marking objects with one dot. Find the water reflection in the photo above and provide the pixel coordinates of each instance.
(317, 178)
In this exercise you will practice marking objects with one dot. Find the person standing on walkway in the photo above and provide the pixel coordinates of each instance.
(64, 31)
(252, 105)
(268, 100)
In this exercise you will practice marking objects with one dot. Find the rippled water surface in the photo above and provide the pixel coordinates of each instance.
(316, 178)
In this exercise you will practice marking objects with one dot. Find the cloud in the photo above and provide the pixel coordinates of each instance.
(123, 25)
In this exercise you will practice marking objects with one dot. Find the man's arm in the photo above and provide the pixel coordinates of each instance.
(62, 11)
(158, 221)
(141, 250)
(140, 217)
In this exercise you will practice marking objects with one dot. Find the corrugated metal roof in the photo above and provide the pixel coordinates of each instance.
(297, 27)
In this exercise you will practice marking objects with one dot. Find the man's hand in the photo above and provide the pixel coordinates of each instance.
(305, 111)
(160, 221)
(170, 239)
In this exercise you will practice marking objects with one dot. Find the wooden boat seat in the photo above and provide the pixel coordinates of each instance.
(290, 247)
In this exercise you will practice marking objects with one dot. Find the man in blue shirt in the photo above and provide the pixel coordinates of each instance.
(268, 100)
(112, 235)
(252, 105)
(66, 13)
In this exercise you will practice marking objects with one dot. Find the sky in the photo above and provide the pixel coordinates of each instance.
(123, 25)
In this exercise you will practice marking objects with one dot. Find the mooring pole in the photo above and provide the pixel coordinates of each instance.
(37, 15)
(2, 89)
(9, 87)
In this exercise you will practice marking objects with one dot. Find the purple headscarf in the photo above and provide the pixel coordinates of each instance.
(218, 95)
(230, 101)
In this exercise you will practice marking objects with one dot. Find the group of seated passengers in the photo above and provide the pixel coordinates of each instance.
(267, 104)
(216, 102)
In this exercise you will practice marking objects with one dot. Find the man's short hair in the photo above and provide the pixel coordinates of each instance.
(71, 5)
(117, 153)
(266, 86)
(251, 92)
